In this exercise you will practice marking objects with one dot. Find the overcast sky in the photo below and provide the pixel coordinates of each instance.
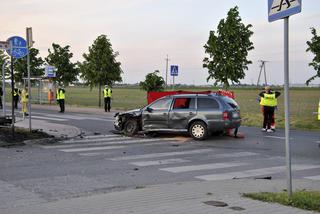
(145, 31)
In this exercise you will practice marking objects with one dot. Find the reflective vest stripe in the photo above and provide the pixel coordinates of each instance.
(270, 100)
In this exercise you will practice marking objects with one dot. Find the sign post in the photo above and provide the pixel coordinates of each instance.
(18, 49)
(29, 44)
(282, 9)
(174, 69)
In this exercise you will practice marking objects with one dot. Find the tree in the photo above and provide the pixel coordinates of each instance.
(228, 50)
(100, 66)
(153, 82)
(67, 71)
(3, 58)
(314, 47)
(36, 66)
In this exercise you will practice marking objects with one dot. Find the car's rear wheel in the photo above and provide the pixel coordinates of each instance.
(198, 130)
(131, 127)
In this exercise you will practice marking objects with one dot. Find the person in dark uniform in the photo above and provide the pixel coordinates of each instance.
(60, 96)
(1, 94)
(107, 93)
(268, 102)
(16, 96)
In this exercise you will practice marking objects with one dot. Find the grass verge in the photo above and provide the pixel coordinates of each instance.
(307, 200)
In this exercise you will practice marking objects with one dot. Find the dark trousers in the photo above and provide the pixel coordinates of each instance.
(1, 102)
(107, 104)
(268, 113)
(61, 104)
(15, 101)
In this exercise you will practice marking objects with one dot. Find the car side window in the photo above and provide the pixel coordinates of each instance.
(208, 103)
(184, 103)
(162, 104)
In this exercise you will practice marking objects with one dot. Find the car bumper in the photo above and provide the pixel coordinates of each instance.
(117, 123)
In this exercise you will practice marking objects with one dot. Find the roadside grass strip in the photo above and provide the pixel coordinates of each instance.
(307, 200)
(253, 172)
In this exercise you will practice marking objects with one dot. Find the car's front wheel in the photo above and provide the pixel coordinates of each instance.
(131, 127)
(198, 130)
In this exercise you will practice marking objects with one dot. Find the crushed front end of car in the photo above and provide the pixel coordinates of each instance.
(121, 118)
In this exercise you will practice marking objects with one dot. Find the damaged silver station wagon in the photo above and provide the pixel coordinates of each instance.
(198, 114)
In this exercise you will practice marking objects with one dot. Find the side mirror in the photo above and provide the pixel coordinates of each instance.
(149, 109)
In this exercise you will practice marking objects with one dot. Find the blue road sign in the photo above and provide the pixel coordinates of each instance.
(18, 48)
(279, 9)
(174, 70)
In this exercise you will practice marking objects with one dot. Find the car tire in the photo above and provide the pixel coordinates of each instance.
(198, 130)
(131, 127)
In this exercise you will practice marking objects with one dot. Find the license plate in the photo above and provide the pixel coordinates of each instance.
(235, 115)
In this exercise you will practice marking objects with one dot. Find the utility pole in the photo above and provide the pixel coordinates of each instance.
(29, 45)
(167, 62)
(262, 67)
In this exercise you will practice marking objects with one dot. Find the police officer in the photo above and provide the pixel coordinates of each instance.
(60, 96)
(107, 93)
(24, 101)
(16, 95)
(268, 102)
(1, 94)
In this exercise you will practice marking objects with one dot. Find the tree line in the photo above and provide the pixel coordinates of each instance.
(99, 66)
(227, 51)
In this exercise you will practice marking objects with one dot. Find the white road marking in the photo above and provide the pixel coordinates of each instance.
(159, 162)
(91, 149)
(315, 178)
(164, 154)
(48, 118)
(100, 136)
(276, 137)
(108, 142)
(91, 154)
(201, 167)
(252, 173)
(97, 140)
(234, 155)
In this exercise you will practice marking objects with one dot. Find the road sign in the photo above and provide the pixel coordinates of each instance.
(50, 71)
(4, 45)
(174, 70)
(278, 9)
(19, 47)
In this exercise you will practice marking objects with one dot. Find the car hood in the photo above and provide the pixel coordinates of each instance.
(134, 112)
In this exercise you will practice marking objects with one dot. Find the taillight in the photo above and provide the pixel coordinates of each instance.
(225, 115)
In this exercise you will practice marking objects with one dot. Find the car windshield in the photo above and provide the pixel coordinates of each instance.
(233, 104)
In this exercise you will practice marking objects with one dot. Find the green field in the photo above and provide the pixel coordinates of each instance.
(303, 103)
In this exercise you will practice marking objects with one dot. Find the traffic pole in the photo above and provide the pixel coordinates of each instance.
(286, 105)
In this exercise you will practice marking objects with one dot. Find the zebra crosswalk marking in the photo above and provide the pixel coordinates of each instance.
(235, 155)
(97, 140)
(91, 149)
(100, 136)
(163, 154)
(254, 172)
(315, 178)
(129, 141)
(48, 118)
(202, 167)
(159, 162)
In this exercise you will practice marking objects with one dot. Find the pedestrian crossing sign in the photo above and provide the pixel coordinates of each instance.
(278, 9)
(174, 70)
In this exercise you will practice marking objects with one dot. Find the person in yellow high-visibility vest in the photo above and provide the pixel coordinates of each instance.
(319, 111)
(107, 93)
(269, 102)
(24, 101)
(60, 97)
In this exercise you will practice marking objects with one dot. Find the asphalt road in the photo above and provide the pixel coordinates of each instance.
(96, 164)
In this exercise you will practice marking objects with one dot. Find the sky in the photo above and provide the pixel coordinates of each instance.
(144, 32)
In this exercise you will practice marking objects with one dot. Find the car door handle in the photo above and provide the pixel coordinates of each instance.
(164, 113)
(190, 113)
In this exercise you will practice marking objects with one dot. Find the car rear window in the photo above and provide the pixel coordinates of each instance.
(208, 103)
(233, 104)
